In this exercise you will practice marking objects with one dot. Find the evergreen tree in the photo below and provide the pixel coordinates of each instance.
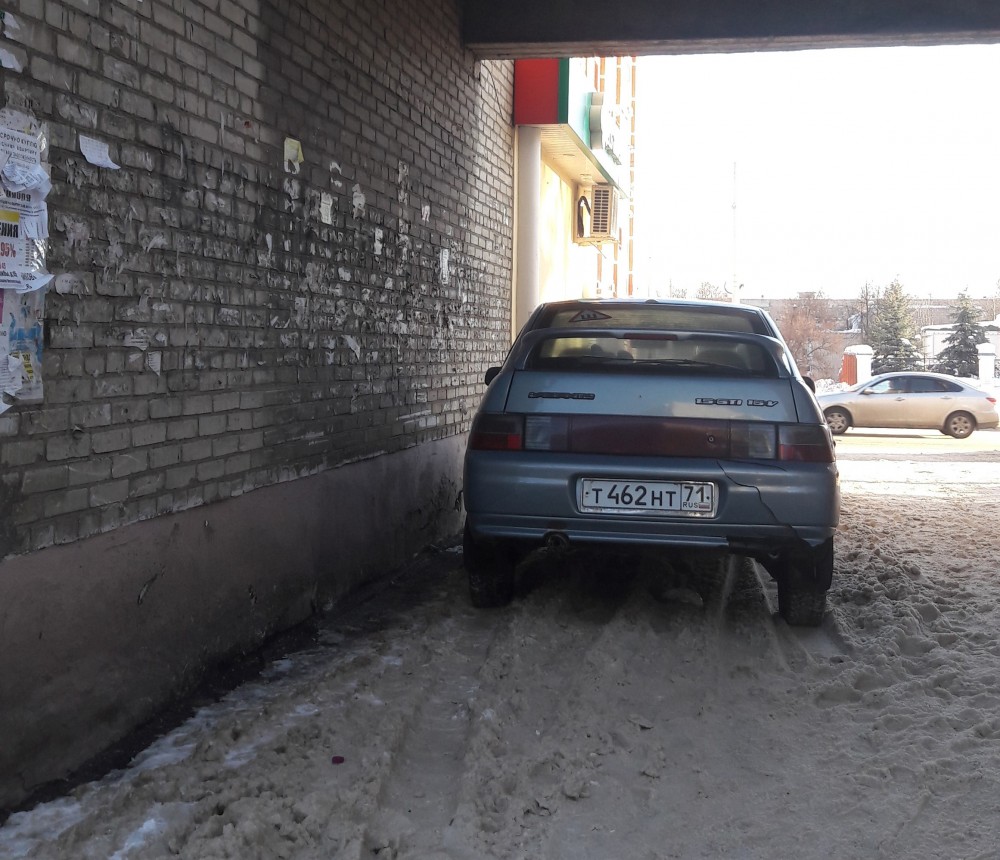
(960, 357)
(892, 332)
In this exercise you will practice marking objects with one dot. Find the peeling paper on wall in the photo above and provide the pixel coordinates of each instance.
(96, 152)
(358, 200)
(425, 213)
(326, 208)
(32, 281)
(293, 155)
(137, 339)
(154, 361)
(445, 273)
(9, 61)
(335, 168)
(19, 178)
(352, 345)
(10, 24)
(378, 241)
(12, 375)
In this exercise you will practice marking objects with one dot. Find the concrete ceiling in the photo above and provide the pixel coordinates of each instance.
(580, 28)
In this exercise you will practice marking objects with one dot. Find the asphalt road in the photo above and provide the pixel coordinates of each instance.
(908, 444)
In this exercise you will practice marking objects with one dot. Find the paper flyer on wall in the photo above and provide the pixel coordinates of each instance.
(31, 208)
(21, 344)
(11, 372)
(13, 264)
(20, 146)
(24, 221)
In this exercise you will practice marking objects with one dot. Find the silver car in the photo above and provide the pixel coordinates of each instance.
(652, 424)
(916, 401)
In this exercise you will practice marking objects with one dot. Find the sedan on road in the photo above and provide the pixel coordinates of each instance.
(652, 424)
(914, 401)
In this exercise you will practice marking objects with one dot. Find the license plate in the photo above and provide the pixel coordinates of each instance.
(656, 498)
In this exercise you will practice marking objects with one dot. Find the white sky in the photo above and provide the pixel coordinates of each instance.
(851, 166)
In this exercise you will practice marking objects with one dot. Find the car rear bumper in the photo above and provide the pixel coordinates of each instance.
(761, 505)
(749, 540)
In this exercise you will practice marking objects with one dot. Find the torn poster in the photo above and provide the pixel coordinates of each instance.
(96, 152)
(26, 177)
(31, 281)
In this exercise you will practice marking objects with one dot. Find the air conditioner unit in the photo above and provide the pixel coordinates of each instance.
(597, 215)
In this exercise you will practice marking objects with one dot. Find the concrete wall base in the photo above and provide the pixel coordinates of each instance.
(98, 635)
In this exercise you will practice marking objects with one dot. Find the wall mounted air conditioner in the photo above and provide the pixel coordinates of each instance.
(597, 215)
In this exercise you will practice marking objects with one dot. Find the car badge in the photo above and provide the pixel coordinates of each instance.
(562, 395)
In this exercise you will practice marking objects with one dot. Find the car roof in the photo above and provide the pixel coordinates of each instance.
(689, 314)
(964, 382)
(930, 373)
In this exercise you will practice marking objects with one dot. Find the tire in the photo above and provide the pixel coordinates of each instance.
(959, 425)
(490, 569)
(803, 581)
(837, 420)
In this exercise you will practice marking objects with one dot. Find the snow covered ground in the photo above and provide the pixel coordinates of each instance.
(616, 710)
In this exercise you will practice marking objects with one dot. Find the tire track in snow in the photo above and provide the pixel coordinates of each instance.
(421, 790)
(570, 699)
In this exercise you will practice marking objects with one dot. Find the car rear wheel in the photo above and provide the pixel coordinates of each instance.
(803, 579)
(960, 425)
(490, 568)
(837, 420)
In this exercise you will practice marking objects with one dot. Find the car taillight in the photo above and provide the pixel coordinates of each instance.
(809, 443)
(992, 400)
(754, 441)
(546, 433)
(643, 436)
(494, 432)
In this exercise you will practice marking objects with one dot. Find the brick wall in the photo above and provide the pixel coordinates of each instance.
(301, 315)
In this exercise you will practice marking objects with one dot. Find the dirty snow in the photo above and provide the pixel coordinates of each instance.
(619, 709)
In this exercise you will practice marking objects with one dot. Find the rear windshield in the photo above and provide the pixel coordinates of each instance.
(652, 353)
(652, 316)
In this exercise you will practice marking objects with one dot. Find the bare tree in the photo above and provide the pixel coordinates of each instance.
(868, 302)
(710, 291)
(809, 326)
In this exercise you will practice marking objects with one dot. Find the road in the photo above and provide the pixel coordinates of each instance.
(905, 444)
(618, 709)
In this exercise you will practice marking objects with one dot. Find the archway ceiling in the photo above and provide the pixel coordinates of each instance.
(565, 28)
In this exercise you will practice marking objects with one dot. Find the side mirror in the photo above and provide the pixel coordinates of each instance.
(491, 374)
(808, 380)
(867, 391)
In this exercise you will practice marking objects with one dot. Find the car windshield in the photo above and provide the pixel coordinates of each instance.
(665, 353)
(653, 316)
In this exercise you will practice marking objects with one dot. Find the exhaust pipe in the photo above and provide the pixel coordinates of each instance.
(556, 541)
